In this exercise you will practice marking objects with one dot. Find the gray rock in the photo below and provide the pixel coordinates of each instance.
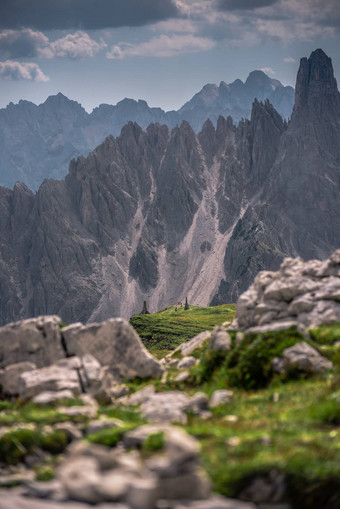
(182, 377)
(216, 502)
(142, 493)
(186, 362)
(80, 478)
(51, 378)
(115, 344)
(72, 430)
(302, 357)
(46, 397)
(100, 424)
(220, 397)
(9, 378)
(189, 346)
(114, 485)
(220, 339)
(36, 340)
(193, 485)
(198, 403)
(166, 407)
(138, 397)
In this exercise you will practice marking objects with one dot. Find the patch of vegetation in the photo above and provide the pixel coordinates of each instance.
(326, 334)
(167, 329)
(18, 443)
(154, 442)
(110, 436)
(44, 473)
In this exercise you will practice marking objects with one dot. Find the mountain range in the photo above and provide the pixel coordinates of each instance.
(162, 214)
(38, 142)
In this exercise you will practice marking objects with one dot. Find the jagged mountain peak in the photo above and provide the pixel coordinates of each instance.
(316, 87)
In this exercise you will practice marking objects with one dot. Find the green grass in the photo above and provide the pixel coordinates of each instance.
(165, 330)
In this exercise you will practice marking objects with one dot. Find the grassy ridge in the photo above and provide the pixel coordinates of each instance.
(163, 331)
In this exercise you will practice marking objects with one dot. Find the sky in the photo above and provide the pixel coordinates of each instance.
(162, 51)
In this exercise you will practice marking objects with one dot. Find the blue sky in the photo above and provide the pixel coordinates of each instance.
(163, 51)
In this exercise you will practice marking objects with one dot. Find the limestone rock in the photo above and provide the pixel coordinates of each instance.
(52, 378)
(301, 294)
(166, 407)
(189, 346)
(9, 378)
(80, 478)
(115, 344)
(186, 362)
(302, 357)
(220, 339)
(46, 397)
(36, 340)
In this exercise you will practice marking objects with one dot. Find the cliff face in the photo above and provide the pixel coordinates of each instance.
(161, 214)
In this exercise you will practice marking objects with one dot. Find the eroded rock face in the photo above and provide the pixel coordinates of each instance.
(300, 292)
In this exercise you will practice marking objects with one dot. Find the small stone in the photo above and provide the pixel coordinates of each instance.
(100, 424)
(78, 411)
(189, 346)
(239, 338)
(230, 418)
(73, 433)
(198, 403)
(138, 397)
(220, 397)
(182, 377)
(166, 407)
(186, 362)
(233, 441)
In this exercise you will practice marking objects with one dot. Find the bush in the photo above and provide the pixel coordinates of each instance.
(154, 442)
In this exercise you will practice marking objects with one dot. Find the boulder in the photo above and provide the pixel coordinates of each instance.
(9, 378)
(220, 339)
(113, 343)
(302, 357)
(36, 340)
(189, 346)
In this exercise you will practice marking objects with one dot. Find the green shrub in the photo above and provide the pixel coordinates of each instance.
(110, 436)
(326, 334)
(44, 473)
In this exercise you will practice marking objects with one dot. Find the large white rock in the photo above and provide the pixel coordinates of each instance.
(166, 407)
(113, 343)
(36, 340)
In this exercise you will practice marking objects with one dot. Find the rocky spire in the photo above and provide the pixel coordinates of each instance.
(316, 87)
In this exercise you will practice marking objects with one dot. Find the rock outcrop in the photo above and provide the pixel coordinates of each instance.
(39, 356)
(159, 215)
(299, 294)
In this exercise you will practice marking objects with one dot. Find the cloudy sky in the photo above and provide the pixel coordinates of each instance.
(163, 51)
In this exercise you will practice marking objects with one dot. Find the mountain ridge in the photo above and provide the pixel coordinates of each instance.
(39, 141)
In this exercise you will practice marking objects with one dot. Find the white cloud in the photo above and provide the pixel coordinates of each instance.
(268, 70)
(14, 71)
(161, 46)
(289, 60)
(29, 43)
(77, 45)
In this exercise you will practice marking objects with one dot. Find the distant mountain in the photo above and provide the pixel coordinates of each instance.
(162, 214)
(236, 99)
(38, 142)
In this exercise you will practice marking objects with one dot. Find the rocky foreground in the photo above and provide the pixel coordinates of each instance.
(89, 416)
